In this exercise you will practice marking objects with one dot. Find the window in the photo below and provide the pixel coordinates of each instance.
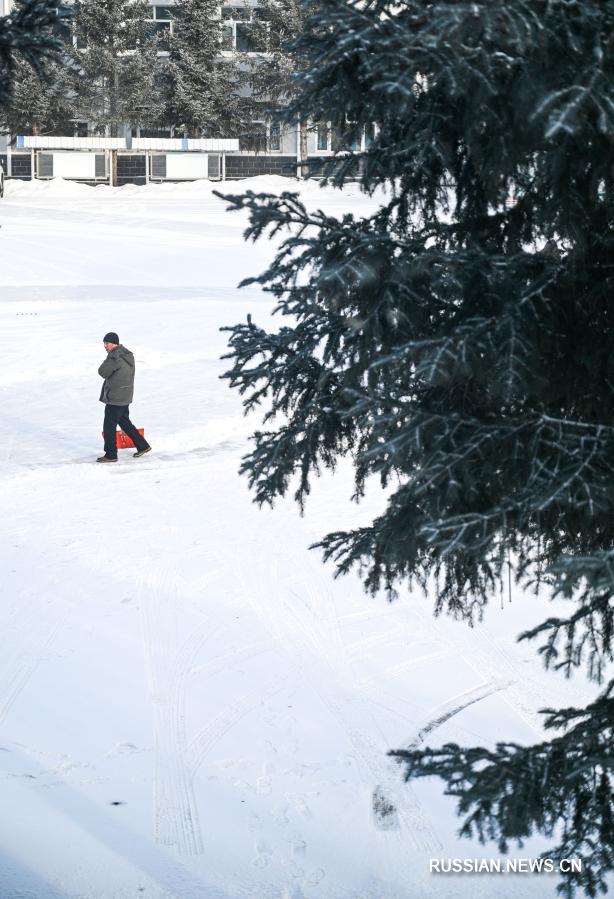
(228, 37)
(355, 136)
(246, 37)
(79, 41)
(151, 132)
(255, 138)
(243, 29)
(81, 129)
(322, 136)
(261, 137)
(347, 138)
(163, 26)
(275, 136)
(236, 13)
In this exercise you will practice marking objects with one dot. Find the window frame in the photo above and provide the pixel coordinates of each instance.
(245, 17)
(323, 128)
(274, 128)
(163, 26)
(267, 145)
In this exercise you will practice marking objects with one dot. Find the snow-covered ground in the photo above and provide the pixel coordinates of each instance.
(190, 705)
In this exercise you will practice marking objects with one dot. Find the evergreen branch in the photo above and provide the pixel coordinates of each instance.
(434, 343)
(587, 633)
(562, 789)
(30, 34)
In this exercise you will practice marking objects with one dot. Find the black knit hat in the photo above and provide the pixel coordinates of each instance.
(111, 337)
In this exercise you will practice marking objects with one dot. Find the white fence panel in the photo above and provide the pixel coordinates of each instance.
(74, 165)
(186, 165)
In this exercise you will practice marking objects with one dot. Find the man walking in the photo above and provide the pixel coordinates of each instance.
(117, 392)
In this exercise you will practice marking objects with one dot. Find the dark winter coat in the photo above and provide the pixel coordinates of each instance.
(118, 373)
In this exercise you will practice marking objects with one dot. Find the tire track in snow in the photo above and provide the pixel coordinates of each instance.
(218, 727)
(371, 756)
(306, 632)
(446, 710)
(27, 636)
(491, 662)
(411, 817)
(500, 673)
(28, 644)
(168, 661)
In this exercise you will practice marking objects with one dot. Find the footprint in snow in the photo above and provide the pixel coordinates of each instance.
(264, 786)
(253, 822)
(299, 848)
(263, 851)
(124, 749)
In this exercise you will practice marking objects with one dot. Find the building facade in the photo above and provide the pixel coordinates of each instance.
(267, 148)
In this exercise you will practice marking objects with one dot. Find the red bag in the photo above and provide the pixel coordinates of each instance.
(124, 442)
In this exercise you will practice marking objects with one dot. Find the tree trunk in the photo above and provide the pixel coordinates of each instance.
(113, 168)
(113, 116)
(303, 168)
(113, 128)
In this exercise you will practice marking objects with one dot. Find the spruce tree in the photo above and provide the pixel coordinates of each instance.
(116, 81)
(205, 86)
(272, 74)
(29, 35)
(457, 344)
(39, 105)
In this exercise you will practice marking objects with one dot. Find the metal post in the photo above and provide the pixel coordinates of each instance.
(9, 158)
(147, 166)
(223, 165)
(32, 163)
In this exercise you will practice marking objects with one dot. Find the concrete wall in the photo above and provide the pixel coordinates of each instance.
(240, 166)
(130, 169)
(21, 165)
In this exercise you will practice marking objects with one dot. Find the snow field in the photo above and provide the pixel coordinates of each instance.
(191, 706)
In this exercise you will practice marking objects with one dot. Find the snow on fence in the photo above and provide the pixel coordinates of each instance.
(207, 145)
(215, 145)
(38, 142)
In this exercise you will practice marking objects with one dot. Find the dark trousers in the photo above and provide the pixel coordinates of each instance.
(114, 416)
